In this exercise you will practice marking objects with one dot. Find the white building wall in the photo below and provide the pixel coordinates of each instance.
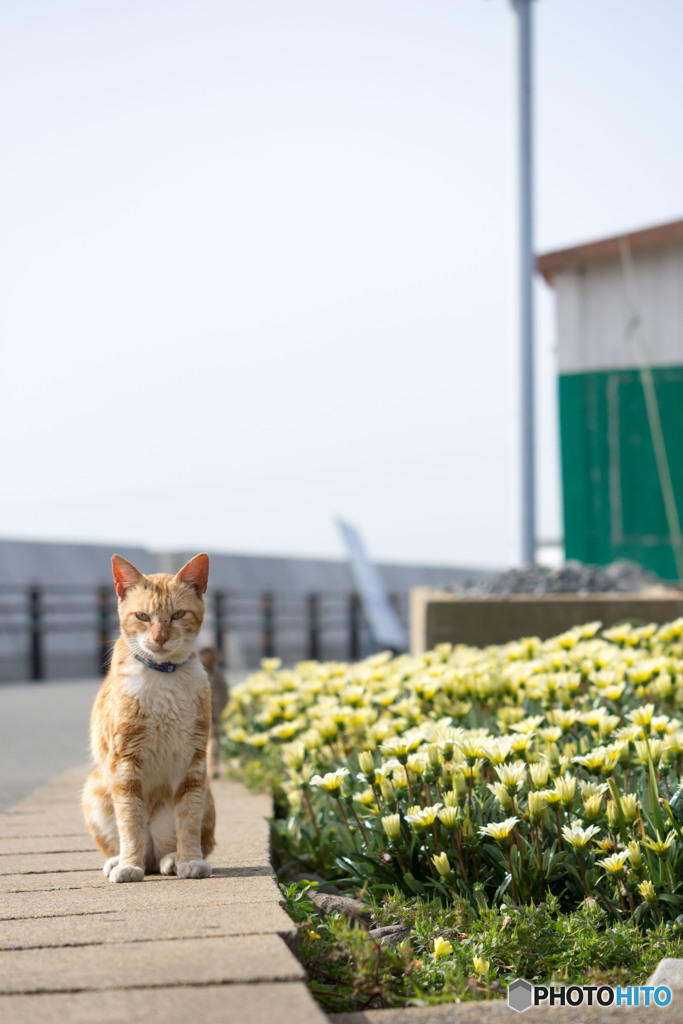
(595, 313)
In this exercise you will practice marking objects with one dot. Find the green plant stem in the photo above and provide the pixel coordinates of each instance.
(346, 822)
(583, 873)
(309, 805)
(512, 874)
(518, 840)
(399, 856)
(377, 804)
(410, 788)
(559, 827)
(358, 822)
(436, 840)
(540, 863)
(668, 875)
(463, 869)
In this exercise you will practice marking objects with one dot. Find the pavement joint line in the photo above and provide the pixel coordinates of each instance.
(133, 942)
(226, 983)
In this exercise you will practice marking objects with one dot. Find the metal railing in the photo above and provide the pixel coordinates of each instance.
(49, 630)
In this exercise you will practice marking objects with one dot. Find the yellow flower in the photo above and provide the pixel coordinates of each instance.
(593, 760)
(312, 934)
(647, 891)
(527, 725)
(332, 781)
(391, 824)
(294, 755)
(387, 791)
(442, 865)
(400, 748)
(449, 816)
(615, 863)
(656, 748)
(539, 773)
(480, 965)
(442, 947)
(501, 793)
(642, 715)
(498, 749)
(472, 747)
(499, 830)
(422, 819)
(535, 807)
(592, 806)
(659, 846)
(511, 775)
(366, 763)
(589, 789)
(617, 634)
(579, 837)
(257, 739)
(629, 805)
(270, 664)
(565, 787)
(635, 855)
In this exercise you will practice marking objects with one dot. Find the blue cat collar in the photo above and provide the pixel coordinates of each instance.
(163, 666)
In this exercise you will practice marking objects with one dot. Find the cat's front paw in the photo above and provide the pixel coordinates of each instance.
(126, 873)
(193, 869)
(167, 864)
(109, 865)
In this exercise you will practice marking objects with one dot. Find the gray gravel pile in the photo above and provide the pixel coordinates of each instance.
(571, 578)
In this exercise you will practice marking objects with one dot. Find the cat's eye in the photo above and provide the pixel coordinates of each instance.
(142, 616)
(177, 615)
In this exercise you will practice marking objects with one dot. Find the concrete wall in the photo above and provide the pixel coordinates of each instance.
(441, 618)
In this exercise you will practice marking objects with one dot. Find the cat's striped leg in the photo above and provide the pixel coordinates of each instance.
(131, 821)
(98, 811)
(189, 804)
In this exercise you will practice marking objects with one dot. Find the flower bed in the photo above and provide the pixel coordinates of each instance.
(528, 772)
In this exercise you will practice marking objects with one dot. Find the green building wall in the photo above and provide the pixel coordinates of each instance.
(613, 504)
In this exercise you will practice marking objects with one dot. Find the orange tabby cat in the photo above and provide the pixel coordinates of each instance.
(148, 805)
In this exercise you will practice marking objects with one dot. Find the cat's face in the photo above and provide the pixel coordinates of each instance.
(161, 615)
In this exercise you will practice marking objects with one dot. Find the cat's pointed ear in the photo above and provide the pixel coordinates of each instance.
(196, 573)
(126, 576)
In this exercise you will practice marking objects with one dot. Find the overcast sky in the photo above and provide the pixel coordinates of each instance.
(259, 260)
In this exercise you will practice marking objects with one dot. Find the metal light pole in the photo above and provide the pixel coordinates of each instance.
(526, 277)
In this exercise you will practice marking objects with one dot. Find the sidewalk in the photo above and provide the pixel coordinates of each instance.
(76, 948)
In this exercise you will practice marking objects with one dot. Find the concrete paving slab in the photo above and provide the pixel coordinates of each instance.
(221, 960)
(669, 972)
(178, 894)
(77, 843)
(497, 1011)
(41, 863)
(286, 1003)
(143, 926)
(40, 825)
(75, 947)
(41, 830)
(52, 880)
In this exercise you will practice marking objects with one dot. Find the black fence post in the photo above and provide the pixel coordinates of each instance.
(35, 611)
(313, 603)
(219, 623)
(104, 604)
(267, 625)
(354, 627)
